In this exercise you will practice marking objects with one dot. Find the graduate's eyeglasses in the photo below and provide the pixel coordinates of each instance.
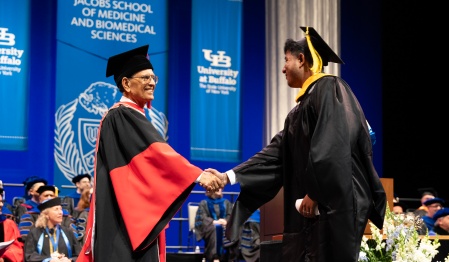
(147, 79)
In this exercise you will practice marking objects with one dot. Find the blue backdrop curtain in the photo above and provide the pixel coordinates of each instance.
(215, 80)
(14, 68)
(88, 33)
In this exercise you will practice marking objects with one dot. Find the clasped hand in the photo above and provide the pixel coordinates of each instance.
(59, 257)
(212, 180)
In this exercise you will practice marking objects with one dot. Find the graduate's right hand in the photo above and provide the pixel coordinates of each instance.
(223, 177)
(210, 182)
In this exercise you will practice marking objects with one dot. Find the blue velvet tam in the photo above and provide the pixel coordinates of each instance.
(441, 213)
(433, 201)
(30, 181)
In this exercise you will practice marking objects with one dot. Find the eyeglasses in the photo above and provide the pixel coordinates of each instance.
(146, 79)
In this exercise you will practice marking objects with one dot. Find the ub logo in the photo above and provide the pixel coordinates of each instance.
(76, 128)
(6, 38)
(219, 60)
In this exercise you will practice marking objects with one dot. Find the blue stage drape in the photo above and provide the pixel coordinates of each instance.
(88, 33)
(215, 80)
(14, 70)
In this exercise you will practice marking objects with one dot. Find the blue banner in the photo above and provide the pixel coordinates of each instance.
(88, 33)
(215, 80)
(14, 68)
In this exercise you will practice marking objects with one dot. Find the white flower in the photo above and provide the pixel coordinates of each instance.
(398, 241)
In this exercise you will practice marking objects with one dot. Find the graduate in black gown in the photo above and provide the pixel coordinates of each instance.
(323, 156)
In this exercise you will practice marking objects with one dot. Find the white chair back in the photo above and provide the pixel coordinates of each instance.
(192, 208)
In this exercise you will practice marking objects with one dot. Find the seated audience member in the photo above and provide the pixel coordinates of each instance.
(81, 213)
(426, 194)
(81, 182)
(441, 218)
(28, 219)
(49, 240)
(17, 207)
(250, 239)
(249, 246)
(7, 208)
(7, 212)
(398, 207)
(31, 185)
(70, 201)
(433, 205)
(9, 232)
(210, 222)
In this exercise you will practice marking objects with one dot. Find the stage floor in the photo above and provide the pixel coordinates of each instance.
(184, 257)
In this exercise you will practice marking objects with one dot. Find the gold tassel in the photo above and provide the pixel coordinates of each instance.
(317, 62)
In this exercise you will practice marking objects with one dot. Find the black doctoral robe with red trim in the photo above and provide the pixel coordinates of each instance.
(140, 184)
(323, 151)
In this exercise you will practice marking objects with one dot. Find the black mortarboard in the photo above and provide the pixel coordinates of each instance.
(78, 178)
(128, 63)
(441, 213)
(30, 181)
(42, 189)
(49, 203)
(434, 200)
(427, 191)
(323, 49)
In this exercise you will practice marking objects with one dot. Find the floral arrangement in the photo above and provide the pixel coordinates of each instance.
(398, 241)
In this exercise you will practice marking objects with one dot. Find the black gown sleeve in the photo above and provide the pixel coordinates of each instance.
(31, 252)
(260, 180)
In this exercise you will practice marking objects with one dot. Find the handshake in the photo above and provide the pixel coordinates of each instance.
(213, 180)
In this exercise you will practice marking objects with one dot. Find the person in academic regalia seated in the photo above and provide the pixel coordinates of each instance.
(81, 213)
(70, 201)
(9, 232)
(81, 182)
(250, 238)
(433, 205)
(248, 246)
(210, 222)
(426, 194)
(31, 184)
(7, 208)
(441, 218)
(49, 240)
(28, 219)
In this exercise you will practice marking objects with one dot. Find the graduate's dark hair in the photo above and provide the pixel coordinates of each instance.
(298, 47)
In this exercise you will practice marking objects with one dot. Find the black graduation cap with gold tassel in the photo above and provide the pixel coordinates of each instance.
(320, 50)
(321, 54)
